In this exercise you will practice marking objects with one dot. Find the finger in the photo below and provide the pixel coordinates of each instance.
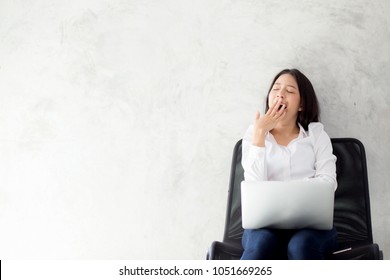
(282, 108)
(281, 113)
(275, 108)
(257, 115)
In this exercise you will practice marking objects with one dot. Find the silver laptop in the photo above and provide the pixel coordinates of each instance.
(287, 204)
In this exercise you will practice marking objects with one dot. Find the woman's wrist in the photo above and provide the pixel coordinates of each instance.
(259, 138)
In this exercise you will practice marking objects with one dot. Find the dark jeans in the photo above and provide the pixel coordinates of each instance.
(273, 244)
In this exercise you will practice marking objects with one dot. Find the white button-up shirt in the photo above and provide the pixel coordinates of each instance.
(307, 157)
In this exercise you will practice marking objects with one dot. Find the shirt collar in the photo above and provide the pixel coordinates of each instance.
(302, 134)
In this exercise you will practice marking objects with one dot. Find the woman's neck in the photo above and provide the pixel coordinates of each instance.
(285, 133)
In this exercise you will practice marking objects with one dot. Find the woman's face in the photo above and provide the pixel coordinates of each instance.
(286, 88)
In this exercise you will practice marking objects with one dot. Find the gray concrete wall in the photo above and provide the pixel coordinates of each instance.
(118, 118)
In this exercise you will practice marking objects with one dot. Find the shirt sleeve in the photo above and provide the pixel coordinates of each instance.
(253, 158)
(325, 162)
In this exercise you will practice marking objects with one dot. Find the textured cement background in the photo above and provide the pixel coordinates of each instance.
(118, 118)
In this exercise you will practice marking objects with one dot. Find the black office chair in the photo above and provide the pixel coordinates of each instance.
(352, 217)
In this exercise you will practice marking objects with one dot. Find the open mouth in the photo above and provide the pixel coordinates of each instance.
(281, 106)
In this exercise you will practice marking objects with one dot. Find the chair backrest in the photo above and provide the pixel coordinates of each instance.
(233, 223)
(352, 217)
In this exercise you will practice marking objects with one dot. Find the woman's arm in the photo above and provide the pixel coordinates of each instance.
(253, 158)
(325, 163)
(253, 144)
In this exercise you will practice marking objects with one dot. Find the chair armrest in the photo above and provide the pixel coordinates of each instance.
(224, 251)
(364, 252)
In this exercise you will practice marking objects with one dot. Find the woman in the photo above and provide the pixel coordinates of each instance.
(288, 143)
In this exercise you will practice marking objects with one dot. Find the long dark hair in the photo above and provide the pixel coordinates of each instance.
(310, 109)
